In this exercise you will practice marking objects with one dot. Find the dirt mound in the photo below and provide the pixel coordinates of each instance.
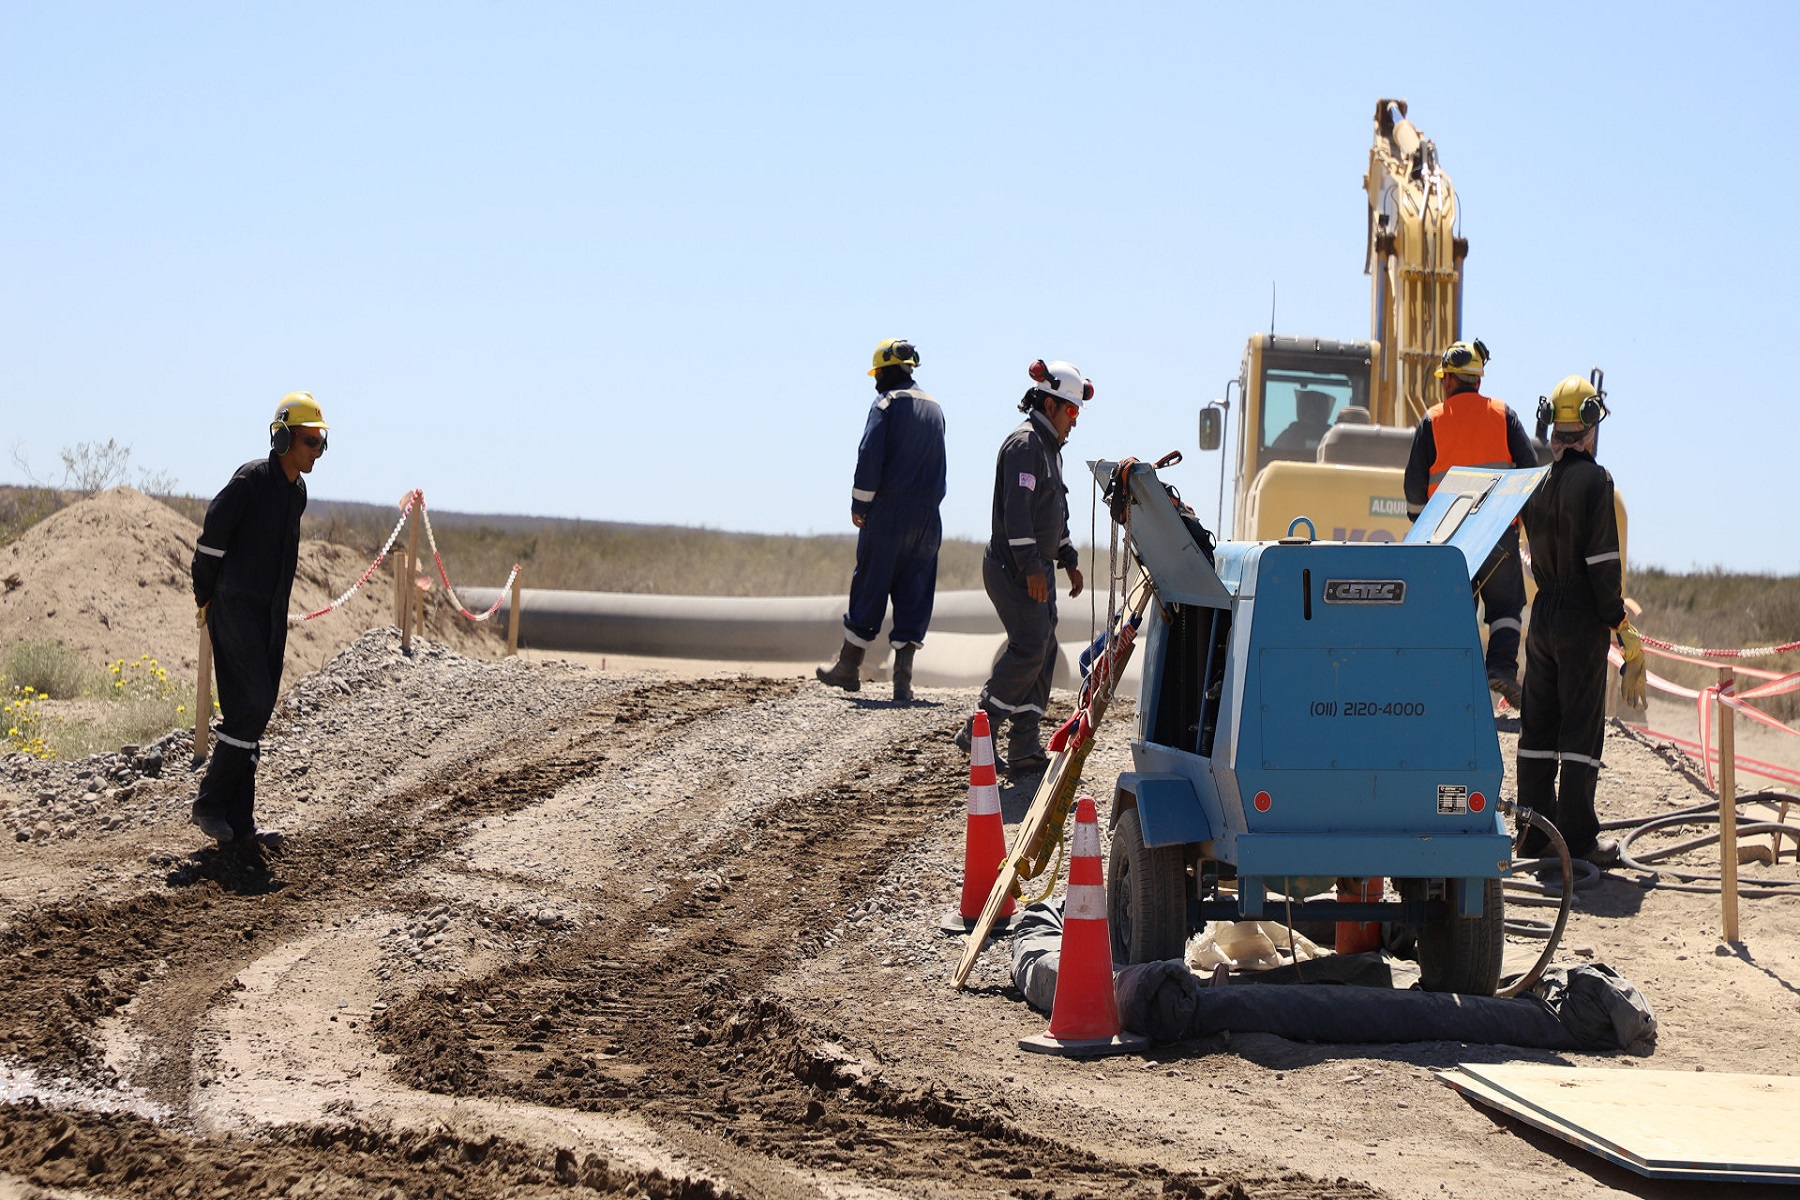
(108, 577)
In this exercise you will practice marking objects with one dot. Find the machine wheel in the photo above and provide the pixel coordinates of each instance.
(1146, 896)
(1459, 954)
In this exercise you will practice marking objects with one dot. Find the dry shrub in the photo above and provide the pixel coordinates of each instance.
(51, 669)
(1718, 610)
(604, 556)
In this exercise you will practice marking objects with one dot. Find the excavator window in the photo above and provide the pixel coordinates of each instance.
(1299, 407)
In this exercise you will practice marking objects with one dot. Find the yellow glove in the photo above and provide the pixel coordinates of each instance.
(200, 615)
(1631, 675)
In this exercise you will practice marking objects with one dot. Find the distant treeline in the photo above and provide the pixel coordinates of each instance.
(1719, 610)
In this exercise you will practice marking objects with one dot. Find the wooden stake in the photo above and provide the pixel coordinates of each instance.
(1728, 859)
(203, 697)
(418, 600)
(412, 565)
(399, 578)
(512, 620)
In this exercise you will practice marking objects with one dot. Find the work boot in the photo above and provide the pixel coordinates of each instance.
(1604, 855)
(212, 825)
(965, 737)
(903, 656)
(1024, 750)
(1503, 685)
(846, 672)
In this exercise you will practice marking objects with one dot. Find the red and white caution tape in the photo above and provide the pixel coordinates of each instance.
(444, 575)
(414, 497)
(1698, 652)
(1704, 702)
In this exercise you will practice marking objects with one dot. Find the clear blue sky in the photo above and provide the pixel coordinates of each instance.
(628, 262)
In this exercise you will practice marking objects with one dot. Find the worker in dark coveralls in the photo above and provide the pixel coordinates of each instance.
(243, 574)
(1575, 559)
(1468, 429)
(894, 501)
(1030, 540)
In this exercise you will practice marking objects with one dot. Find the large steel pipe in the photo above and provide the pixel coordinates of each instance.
(747, 628)
(960, 648)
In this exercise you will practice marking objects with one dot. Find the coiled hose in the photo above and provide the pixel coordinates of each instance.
(1705, 814)
(1579, 874)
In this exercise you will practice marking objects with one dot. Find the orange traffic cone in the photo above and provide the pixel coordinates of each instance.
(1084, 1017)
(1356, 937)
(985, 845)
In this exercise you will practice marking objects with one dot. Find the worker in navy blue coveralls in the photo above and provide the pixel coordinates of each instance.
(894, 503)
(1579, 567)
(243, 575)
(1030, 540)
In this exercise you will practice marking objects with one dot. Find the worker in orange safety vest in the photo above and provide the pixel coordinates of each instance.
(1468, 429)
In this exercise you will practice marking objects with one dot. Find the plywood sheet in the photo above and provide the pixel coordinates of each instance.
(1664, 1124)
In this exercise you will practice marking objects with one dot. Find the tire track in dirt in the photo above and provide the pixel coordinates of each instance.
(67, 967)
(673, 1025)
(668, 1022)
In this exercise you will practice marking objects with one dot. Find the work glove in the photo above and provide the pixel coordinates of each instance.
(1631, 675)
(200, 615)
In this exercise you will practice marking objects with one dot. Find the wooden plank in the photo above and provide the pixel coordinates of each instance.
(1054, 794)
(1665, 1124)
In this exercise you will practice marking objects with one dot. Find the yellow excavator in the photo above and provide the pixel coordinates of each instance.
(1326, 426)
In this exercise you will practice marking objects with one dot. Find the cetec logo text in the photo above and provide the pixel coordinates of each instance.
(1365, 591)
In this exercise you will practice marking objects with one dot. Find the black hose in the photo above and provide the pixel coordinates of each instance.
(1553, 938)
(1706, 814)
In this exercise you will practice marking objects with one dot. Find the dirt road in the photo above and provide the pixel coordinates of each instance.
(540, 930)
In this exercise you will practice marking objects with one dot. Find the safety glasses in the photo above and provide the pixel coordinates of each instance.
(313, 441)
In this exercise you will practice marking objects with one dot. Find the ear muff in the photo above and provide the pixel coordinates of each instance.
(1592, 411)
(1087, 390)
(899, 354)
(281, 439)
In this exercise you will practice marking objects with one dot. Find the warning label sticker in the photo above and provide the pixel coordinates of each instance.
(1453, 798)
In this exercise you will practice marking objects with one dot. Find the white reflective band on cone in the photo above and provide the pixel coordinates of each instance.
(1085, 902)
(984, 799)
(1086, 843)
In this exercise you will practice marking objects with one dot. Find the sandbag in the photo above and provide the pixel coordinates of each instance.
(1037, 952)
(1600, 1008)
(1167, 1002)
(1588, 1007)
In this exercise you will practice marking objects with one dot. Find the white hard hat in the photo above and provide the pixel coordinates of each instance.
(1062, 380)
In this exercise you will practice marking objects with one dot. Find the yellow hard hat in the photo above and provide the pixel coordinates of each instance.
(895, 352)
(1464, 358)
(1573, 401)
(298, 409)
